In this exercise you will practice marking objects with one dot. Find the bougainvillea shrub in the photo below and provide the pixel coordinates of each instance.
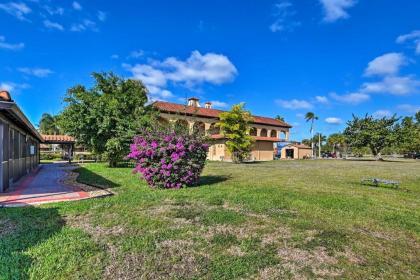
(168, 159)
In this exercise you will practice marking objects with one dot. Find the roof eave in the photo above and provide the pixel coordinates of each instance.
(17, 112)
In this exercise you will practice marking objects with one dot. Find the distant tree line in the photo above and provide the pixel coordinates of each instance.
(370, 135)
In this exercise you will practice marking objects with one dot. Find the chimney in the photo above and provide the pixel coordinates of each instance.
(207, 105)
(5, 96)
(193, 102)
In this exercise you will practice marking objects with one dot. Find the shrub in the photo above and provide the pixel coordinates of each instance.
(169, 159)
(50, 156)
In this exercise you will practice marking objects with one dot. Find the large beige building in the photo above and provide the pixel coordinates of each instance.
(266, 131)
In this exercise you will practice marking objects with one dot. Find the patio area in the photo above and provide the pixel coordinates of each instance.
(44, 185)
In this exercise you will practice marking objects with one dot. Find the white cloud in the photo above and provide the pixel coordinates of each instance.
(283, 14)
(336, 9)
(219, 104)
(86, 24)
(10, 87)
(414, 36)
(351, 98)
(157, 93)
(54, 11)
(18, 10)
(76, 6)
(197, 69)
(409, 108)
(149, 75)
(382, 113)
(37, 72)
(101, 15)
(334, 120)
(208, 68)
(53, 25)
(137, 54)
(393, 85)
(321, 99)
(294, 104)
(115, 56)
(9, 46)
(387, 64)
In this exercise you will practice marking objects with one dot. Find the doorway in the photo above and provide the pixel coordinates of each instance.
(290, 153)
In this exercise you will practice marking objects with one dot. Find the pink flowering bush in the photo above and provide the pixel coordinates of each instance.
(167, 159)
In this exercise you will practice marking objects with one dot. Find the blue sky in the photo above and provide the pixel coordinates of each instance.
(332, 57)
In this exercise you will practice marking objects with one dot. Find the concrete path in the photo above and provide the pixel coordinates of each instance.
(42, 186)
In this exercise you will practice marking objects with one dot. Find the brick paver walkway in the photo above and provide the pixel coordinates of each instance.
(42, 186)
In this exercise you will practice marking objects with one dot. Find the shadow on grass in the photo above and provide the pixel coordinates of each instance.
(21, 229)
(212, 179)
(88, 177)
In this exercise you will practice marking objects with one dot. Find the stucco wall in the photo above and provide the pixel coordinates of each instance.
(217, 150)
(304, 153)
(262, 151)
(298, 153)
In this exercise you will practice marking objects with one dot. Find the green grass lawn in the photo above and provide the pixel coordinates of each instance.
(272, 220)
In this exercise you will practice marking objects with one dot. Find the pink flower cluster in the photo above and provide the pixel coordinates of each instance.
(168, 160)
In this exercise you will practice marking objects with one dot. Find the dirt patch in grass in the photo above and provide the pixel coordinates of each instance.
(297, 263)
(97, 232)
(173, 259)
(7, 227)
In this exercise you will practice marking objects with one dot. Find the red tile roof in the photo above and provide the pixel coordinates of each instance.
(210, 113)
(5, 95)
(258, 138)
(301, 146)
(58, 138)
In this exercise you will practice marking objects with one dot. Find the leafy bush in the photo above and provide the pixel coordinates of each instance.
(169, 159)
(51, 156)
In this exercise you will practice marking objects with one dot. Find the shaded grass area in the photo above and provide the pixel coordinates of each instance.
(272, 220)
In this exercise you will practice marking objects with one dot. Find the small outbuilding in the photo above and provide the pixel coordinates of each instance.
(295, 151)
(19, 143)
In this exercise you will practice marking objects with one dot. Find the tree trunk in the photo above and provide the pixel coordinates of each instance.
(319, 144)
(112, 163)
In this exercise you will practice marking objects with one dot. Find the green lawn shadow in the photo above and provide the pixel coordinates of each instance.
(22, 228)
(88, 177)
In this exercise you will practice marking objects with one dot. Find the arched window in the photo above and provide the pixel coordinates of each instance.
(263, 132)
(199, 128)
(273, 134)
(283, 135)
(253, 131)
(214, 129)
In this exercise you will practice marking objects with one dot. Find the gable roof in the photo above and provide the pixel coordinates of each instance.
(169, 107)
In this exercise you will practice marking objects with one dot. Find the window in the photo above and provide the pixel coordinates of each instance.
(263, 132)
(273, 133)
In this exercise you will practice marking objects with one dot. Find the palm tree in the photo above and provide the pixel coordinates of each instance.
(49, 124)
(336, 140)
(311, 117)
(280, 118)
(319, 139)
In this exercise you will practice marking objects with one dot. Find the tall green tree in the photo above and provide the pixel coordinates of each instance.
(376, 134)
(49, 124)
(106, 117)
(235, 126)
(409, 134)
(311, 117)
